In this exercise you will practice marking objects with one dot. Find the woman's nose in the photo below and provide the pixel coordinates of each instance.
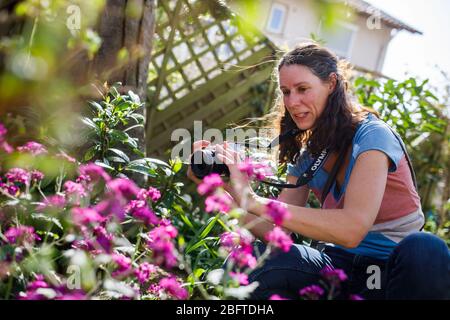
(293, 100)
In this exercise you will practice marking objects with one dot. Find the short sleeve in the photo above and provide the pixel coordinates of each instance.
(301, 165)
(376, 135)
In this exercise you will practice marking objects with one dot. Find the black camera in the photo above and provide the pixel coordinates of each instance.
(205, 162)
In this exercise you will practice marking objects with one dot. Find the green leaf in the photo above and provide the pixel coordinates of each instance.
(142, 170)
(104, 165)
(134, 97)
(120, 153)
(119, 135)
(186, 220)
(195, 246)
(96, 106)
(89, 123)
(40, 216)
(90, 153)
(209, 225)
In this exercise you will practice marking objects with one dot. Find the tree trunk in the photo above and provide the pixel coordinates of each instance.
(127, 25)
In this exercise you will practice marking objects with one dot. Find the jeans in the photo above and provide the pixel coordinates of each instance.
(418, 268)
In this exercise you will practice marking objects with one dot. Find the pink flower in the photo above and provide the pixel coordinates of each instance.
(334, 276)
(104, 239)
(94, 172)
(18, 175)
(140, 210)
(3, 144)
(243, 257)
(38, 283)
(240, 244)
(3, 132)
(312, 292)
(144, 271)
(229, 239)
(123, 265)
(13, 190)
(241, 278)
(21, 235)
(232, 239)
(209, 184)
(277, 212)
(32, 147)
(83, 216)
(151, 193)
(6, 147)
(124, 188)
(36, 176)
(112, 206)
(74, 189)
(218, 202)
(253, 169)
(66, 157)
(34, 291)
(278, 238)
(277, 297)
(173, 287)
(160, 242)
(55, 201)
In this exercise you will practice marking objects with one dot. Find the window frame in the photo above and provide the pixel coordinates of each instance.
(349, 26)
(284, 8)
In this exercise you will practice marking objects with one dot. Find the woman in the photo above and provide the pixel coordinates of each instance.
(371, 217)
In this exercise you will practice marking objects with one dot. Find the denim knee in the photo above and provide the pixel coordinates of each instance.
(419, 268)
(285, 273)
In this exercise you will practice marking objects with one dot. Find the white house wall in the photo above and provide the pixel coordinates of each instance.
(369, 46)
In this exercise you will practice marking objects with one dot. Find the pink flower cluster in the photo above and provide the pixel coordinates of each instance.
(239, 244)
(209, 184)
(312, 292)
(173, 287)
(32, 147)
(3, 144)
(144, 271)
(151, 193)
(161, 244)
(21, 235)
(255, 170)
(41, 290)
(85, 216)
(123, 265)
(140, 210)
(333, 276)
(277, 212)
(218, 202)
(278, 238)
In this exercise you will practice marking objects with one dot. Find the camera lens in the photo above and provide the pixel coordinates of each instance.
(204, 162)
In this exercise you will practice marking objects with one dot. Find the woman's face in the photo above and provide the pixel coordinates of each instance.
(304, 94)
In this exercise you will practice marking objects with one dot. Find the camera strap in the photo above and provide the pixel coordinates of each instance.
(309, 174)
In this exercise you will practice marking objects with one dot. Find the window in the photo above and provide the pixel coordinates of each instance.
(340, 38)
(277, 18)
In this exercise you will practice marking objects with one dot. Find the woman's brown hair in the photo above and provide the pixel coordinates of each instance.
(337, 124)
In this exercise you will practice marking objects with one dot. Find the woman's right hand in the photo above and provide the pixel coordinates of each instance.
(197, 145)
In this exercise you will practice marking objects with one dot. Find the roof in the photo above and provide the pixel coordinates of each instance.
(364, 8)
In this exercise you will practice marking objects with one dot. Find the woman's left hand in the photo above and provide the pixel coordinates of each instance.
(239, 185)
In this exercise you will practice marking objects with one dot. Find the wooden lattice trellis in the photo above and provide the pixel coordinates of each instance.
(200, 71)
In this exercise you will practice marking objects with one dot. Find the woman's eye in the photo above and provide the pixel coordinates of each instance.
(285, 93)
(302, 89)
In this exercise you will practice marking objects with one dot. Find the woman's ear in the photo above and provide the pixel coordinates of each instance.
(332, 82)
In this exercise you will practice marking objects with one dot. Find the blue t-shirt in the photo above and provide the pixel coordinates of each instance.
(371, 134)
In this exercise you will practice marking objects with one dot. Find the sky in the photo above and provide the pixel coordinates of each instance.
(417, 54)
